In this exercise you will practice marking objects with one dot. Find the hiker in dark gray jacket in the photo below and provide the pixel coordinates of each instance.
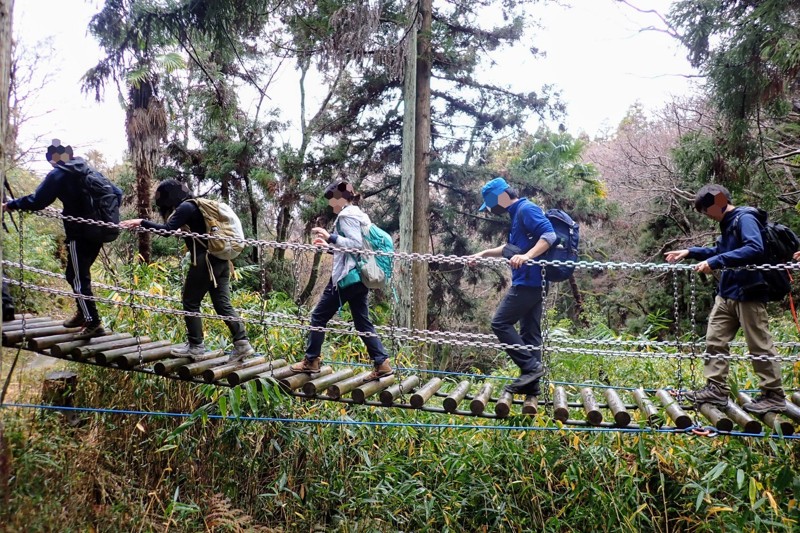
(62, 183)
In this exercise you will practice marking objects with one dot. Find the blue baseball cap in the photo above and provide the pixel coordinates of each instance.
(491, 191)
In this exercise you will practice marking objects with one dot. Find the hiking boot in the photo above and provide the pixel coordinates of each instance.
(76, 321)
(380, 371)
(533, 389)
(241, 349)
(772, 401)
(90, 330)
(192, 351)
(711, 393)
(307, 366)
(525, 381)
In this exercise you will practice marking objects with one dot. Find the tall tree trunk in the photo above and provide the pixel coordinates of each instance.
(6, 9)
(146, 125)
(254, 212)
(403, 269)
(576, 294)
(284, 218)
(312, 280)
(422, 139)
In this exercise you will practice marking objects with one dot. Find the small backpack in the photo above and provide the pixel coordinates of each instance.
(102, 205)
(378, 240)
(221, 221)
(375, 271)
(780, 244)
(564, 249)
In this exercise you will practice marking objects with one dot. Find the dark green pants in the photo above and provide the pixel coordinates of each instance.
(199, 282)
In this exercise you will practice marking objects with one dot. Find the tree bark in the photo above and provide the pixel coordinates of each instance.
(422, 139)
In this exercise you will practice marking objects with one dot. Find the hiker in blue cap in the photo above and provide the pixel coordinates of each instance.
(531, 235)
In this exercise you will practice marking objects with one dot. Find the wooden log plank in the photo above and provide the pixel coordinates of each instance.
(560, 409)
(19, 325)
(369, 389)
(337, 390)
(106, 357)
(198, 367)
(593, 414)
(321, 383)
(63, 349)
(133, 360)
(674, 411)
(796, 398)
(531, 405)
(478, 404)
(502, 408)
(389, 395)
(646, 407)
(162, 368)
(13, 337)
(617, 407)
(792, 411)
(240, 376)
(425, 392)
(717, 418)
(747, 423)
(450, 403)
(296, 381)
(216, 373)
(81, 353)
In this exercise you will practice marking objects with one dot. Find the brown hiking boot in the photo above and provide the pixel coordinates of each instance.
(77, 321)
(90, 330)
(307, 366)
(711, 393)
(771, 401)
(381, 371)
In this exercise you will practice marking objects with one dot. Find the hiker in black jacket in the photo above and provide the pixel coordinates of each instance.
(207, 273)
(62, 183)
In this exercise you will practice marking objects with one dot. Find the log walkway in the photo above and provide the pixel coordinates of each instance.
(588, 406)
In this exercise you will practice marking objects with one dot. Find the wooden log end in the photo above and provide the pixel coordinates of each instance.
(476, 407)
(450, 405)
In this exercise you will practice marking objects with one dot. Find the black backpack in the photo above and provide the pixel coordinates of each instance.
(780, 244)
(565, 248)
(102, 204)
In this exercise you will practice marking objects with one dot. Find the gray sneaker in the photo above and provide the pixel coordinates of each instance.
(711, 393)
(192, 351)
(770, 401)
(241, 349)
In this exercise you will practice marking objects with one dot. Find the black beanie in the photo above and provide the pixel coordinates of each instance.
(169, 195)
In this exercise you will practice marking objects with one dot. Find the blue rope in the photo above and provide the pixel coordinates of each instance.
(314, 421)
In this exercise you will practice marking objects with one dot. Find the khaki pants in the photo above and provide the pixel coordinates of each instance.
(726, 318)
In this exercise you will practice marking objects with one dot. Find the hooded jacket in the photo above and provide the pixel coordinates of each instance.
(347, 235)
(63, 183)
(740, 244)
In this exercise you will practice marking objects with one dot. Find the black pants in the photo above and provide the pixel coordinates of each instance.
(199, 283)
(524, 305)
(357, 295)
(8, 304)
(81, 255)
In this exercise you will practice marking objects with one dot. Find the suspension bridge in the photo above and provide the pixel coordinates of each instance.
(566, 404)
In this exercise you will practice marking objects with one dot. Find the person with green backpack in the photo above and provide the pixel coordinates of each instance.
(345, 285)
(209, 270)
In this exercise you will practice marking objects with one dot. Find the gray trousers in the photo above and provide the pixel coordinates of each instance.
(724, 322)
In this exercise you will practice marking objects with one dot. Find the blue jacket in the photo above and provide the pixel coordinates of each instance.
(740, 244)
(62, 183)
(528, 225)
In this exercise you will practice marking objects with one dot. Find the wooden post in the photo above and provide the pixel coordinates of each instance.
(681, 419)
(593, 414)
(425, 392)
(389, 395)
(58, 389)
(646, 407)
(560, 408)
(621, 416)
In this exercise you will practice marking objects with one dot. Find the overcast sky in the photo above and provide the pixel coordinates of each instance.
(596, 55)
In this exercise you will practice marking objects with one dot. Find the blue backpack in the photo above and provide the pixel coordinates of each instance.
(565, 248)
